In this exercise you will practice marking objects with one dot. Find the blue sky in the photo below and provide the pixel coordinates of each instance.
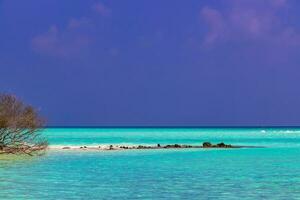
(154, 63)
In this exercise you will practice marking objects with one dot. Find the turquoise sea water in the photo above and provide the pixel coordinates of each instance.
(251, 173)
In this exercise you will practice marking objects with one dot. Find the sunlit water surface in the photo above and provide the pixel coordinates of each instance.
(250, 173)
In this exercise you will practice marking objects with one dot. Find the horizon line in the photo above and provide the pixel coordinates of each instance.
(169, 127)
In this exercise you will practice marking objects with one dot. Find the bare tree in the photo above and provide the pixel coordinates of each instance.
(20, 126)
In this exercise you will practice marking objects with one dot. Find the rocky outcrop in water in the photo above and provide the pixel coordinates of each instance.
(205, 145)
(219, 145)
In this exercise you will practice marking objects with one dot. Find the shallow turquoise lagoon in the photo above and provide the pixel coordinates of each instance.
(254, 173)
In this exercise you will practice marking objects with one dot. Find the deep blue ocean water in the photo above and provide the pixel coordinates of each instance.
(251, 173)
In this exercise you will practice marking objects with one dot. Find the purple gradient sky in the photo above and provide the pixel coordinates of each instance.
(154, 63)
